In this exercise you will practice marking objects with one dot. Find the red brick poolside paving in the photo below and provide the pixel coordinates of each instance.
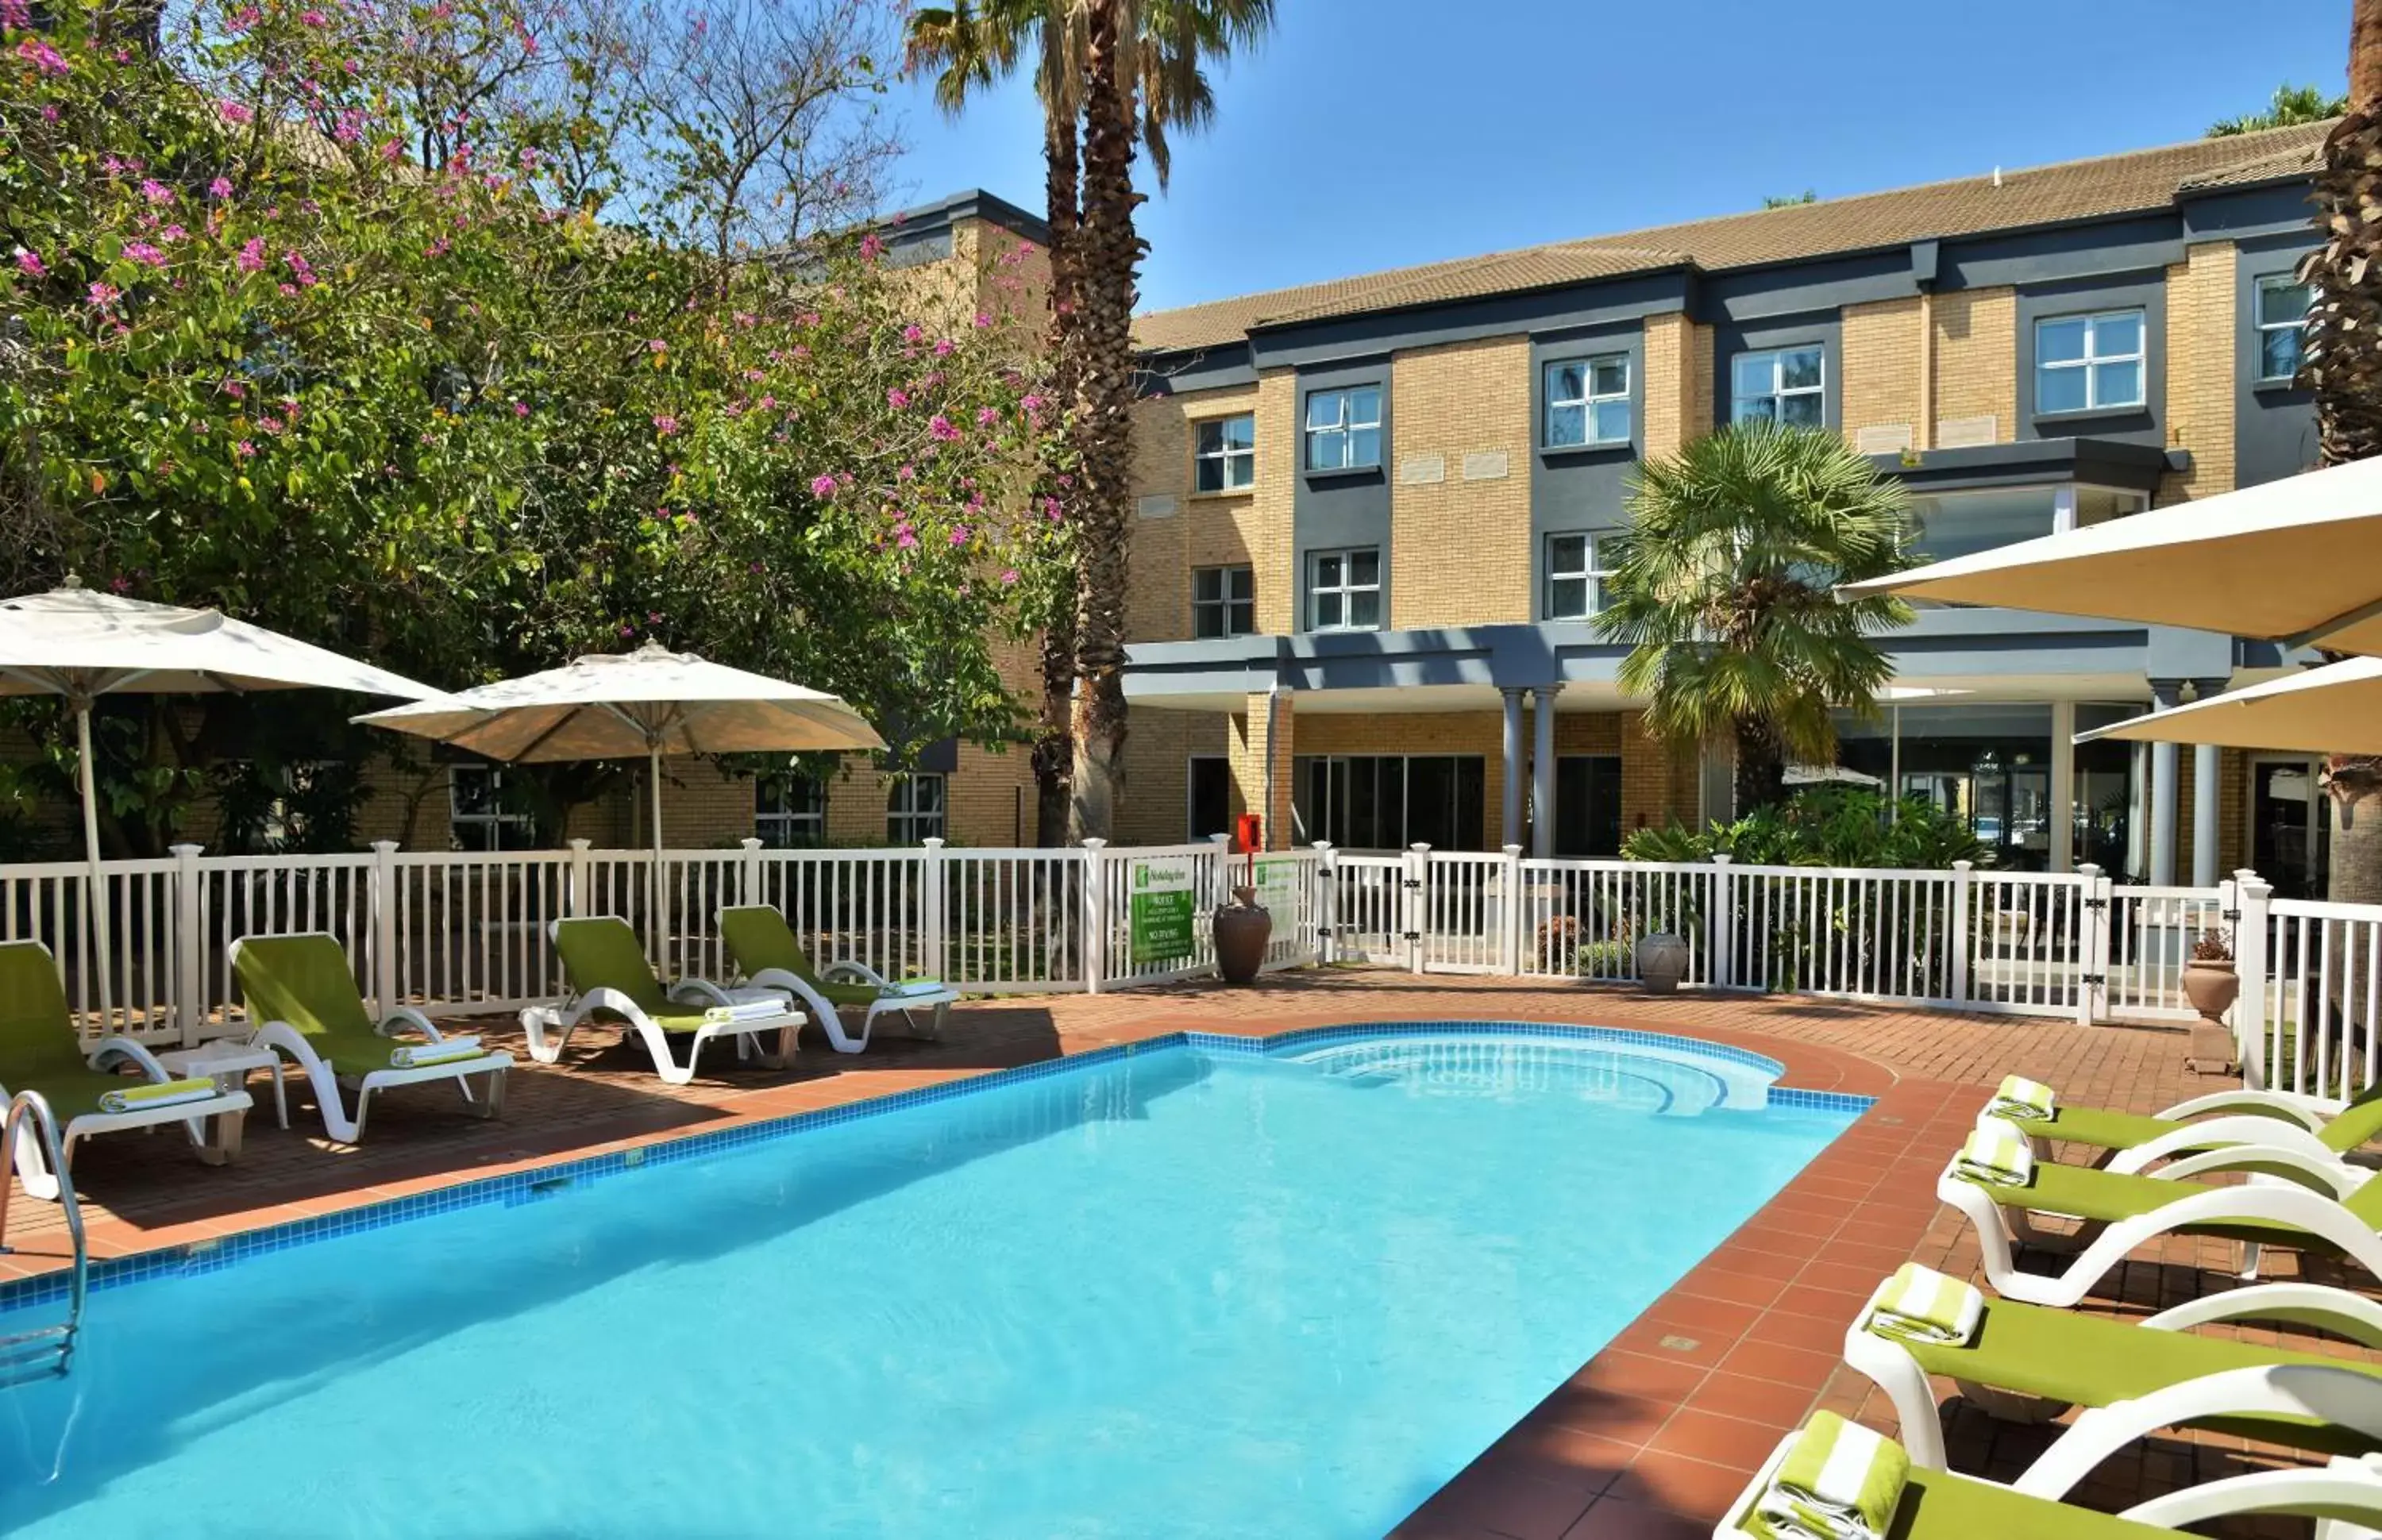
(1649, 1440)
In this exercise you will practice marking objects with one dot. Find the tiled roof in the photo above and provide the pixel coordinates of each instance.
(2135, 182)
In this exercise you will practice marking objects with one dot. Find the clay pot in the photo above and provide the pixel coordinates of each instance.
(1662, 961)
(1242, 930)
(2211, 987)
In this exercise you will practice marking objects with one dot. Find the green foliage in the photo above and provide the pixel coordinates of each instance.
(2289, 105)
(1823, 826)
(1723, 586)
(260, 358)
(1809, 195)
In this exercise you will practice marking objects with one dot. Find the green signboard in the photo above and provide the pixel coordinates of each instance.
(1278, 892)
(1160, 916)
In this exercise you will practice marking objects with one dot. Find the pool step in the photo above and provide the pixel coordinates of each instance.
(27, 1356)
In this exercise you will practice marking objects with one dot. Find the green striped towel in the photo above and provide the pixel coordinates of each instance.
(1996, 1155)
(1920, 1304)
(447, 1050)
(2021, 1099)
(1838, 1482)
(744, 1011)
(141, 1098)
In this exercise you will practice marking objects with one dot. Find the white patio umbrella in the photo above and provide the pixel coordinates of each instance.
(80, 644)
(2335, 709)
(648, 702)
(2296, 560)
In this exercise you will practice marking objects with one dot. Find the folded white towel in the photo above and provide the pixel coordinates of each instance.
(1997, 1154)
(170, 1094)
(744, 1011)
(1921, 1304)
(2022, 1099)
(422, 1055)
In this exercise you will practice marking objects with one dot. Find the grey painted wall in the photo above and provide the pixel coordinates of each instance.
(1729, 339)
(1573, 490)
(2248, 214)
(2274, 425)
(1330, 510)
(1625, 299)
(2146, 292)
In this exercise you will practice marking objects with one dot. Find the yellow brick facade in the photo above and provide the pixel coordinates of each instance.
(1460, 545)
(1976, 359)
(2201, 322)
(1879, 367)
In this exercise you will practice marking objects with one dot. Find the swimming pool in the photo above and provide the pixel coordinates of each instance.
(1196, 1289)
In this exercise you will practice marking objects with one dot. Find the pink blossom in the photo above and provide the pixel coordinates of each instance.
(299, 270)
(172, 233)
(42, 57)
(906, 474)
(219, 188)
(234, 112)
(871, 248)
(103, 295)
(940, 427)
(268, 424)
(234, 389)
(943, 347)
(252, 255)
(119, 585)
(143, 253)
(244, 449)
(768, 403)
(800, 351)
(1009, 578)
(1032, 403)
(822, 486)
(49, 112)
(908, 540)
(311, 18)
(245, 18)
(983, 319)
(897, 399)
(521, 409)
(985, 417)
(665, 424)
(391, 149)
(960, 535)
(656, 345)
(15, 13)
(29, 264)
(913, 333)
(156, 191)
(746, 319)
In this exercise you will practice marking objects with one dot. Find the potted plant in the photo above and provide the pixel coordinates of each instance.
(2211, 984)
(1242, 930)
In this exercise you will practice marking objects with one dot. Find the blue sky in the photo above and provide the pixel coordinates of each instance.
(1368, 134)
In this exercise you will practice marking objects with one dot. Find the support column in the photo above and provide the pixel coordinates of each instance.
(1512, 785)
(1262, 762)
(2206, 791)
(2063, 785)
(1542, 771)
(2165, 768)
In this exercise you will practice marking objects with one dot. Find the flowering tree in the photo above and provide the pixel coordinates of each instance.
(258, 355)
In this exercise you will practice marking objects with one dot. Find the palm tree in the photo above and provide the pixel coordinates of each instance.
(1144, 71)
(1723, 587)
(2290, 105)
(2344, 368)
(1155, 82)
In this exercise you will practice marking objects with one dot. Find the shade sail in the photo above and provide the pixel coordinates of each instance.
(2335, 709)
(2296, 560)
(634, 704)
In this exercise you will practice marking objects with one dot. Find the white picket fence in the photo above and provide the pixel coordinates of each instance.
(467, 932)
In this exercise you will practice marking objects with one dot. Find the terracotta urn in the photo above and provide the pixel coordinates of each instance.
(1242, 928)
(2212, 986)
(1662, 961)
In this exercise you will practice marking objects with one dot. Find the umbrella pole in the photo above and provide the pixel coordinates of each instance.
(95, 891)
(1894, 773)
(659, 925)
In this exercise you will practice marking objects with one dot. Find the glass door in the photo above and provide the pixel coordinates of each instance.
(2289, 832)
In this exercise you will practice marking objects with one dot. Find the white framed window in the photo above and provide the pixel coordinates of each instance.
(478, 817)
(2089, 363)
(1574, 577)
(1344, 590)
(1588, 401)
(1223, 601)
(1344, 429)
(1780, 384)
(789, 812)
(914, 808)
(1225, 454)
(2279, 313)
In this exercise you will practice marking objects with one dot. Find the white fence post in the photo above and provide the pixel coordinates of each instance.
(1096, 915)
(1414, 904)
(1223, 874)
(2252, 928)
(748, 876)
(190, 944)
(2093, 946)
(583, 879)
(931, 916)
(1509, 945)
(1719, 967)
(383, 924)
(1956, 975)
(1327, 902)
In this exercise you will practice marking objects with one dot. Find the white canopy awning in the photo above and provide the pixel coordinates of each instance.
(2335, 709)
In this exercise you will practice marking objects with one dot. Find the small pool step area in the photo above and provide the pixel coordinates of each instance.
(1681, 1080)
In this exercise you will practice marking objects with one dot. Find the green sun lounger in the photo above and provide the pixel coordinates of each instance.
(2308, 1125)
(768, 955)
(40, 1051)
(2031, 1360)
(1935, 1504)
(2291, 1200)
(610, 980)
(302, 997)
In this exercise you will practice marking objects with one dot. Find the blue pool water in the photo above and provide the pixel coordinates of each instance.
(1180, 1293)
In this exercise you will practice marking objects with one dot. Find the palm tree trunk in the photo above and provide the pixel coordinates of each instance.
(1107, 253)
(1054, 745)
(1761, 767)
(2344, 366)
